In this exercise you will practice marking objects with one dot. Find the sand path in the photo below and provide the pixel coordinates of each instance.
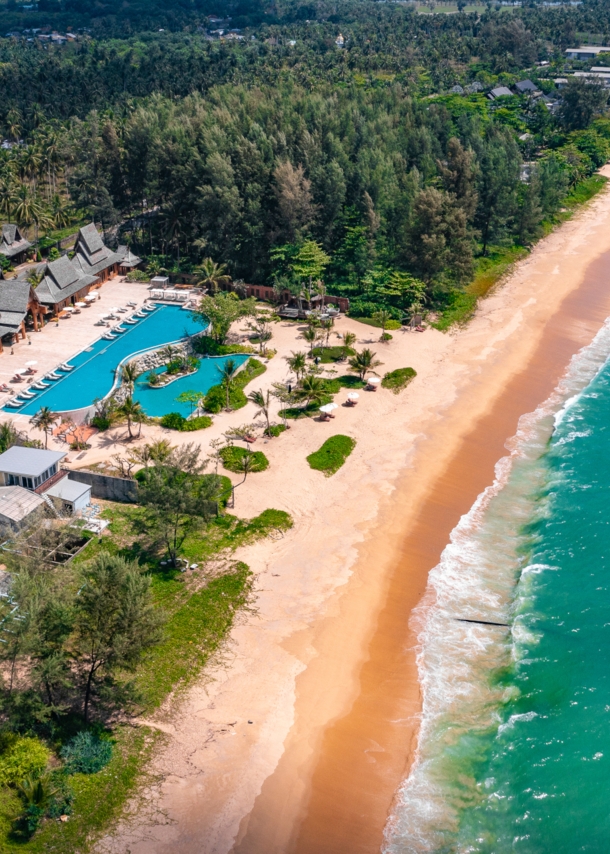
(299, 742)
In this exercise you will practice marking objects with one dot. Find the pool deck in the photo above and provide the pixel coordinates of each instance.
(57, 343)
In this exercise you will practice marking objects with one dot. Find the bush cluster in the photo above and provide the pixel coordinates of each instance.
(233, 457)
(333, 453)
(398, 379)
(176, 421)
(216, 398)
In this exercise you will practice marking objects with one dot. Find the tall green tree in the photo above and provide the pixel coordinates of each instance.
(178, 498)
(115, 622)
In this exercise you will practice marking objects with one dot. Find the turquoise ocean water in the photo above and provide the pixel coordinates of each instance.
(514, 752)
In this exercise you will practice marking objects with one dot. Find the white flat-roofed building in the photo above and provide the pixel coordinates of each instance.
(587, 51)
(31, 468)
(70, 495)
(38, 471)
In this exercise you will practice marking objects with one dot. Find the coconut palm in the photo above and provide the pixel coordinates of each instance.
(311, 390)
(44, 420)
(263, 402)
(133, 412)
(364, 362)
(311, 336)
(297, 363)
(348, 340)
(129, 375)
(213, 275)
(168, 353)
(382, 317)
(227, 375)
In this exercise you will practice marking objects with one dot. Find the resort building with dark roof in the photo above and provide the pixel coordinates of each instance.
(13, 245)
(128, 261)
(64, 283)
(17, 299)
(92, 257)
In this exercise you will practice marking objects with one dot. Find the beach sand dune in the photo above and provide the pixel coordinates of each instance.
(299, 740)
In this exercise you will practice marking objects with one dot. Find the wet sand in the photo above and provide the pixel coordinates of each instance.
(326, 669)
(365, 754)
(351, 793)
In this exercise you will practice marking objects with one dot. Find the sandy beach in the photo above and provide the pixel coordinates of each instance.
(298, 739)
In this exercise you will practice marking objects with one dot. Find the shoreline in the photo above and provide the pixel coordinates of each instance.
(327, 669)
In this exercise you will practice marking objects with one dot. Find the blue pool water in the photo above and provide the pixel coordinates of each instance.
(95, 367)
(159, 401)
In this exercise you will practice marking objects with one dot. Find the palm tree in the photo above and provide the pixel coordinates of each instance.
(168, 352)
(129, 375)
(311, 390)
(327, 326)
(227, 375)
(382, 317)
(213, 275)
(60, 212)
(13, 125)
(363, 363)
(44, 420)
(132, 411)
(297, 364)
(311, 336)
(348, 339)
(25, 206)
(263, 401)
(35, 277)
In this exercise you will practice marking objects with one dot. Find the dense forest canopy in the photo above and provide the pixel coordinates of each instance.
(246, 150)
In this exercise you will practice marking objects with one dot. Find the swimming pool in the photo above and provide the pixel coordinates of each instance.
(95, 367)
(159, 401)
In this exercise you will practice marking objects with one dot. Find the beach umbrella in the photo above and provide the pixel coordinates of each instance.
(81, 304)
(20, 371)
(328, 408)
(68, 308)
(91, 297)
(373, 380)
(31, 362)
(353, 395)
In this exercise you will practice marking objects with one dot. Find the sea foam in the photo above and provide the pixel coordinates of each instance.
(483, 574)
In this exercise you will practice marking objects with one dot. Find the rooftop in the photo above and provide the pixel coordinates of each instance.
(68, 490)
(31, 462)
(16, 503)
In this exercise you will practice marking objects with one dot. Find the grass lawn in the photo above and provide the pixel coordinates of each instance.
(233, 457)
(216, 399)
(332, 387)
(333, 453)
(98, 800)
(398, 379)
(200, 610)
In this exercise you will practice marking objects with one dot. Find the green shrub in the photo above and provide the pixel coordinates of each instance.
(216, 398)
(332, 454)
(137, 276)
(398, 379)
(176, 421)
(173, 421)
(331, 354)
(100, 422)
(206, 346)
(199, 423)
(275, 430)
(21, 757)
(232, 459)
(394, 323)
(86, 753)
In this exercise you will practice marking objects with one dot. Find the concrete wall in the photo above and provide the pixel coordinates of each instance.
(105, 486)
